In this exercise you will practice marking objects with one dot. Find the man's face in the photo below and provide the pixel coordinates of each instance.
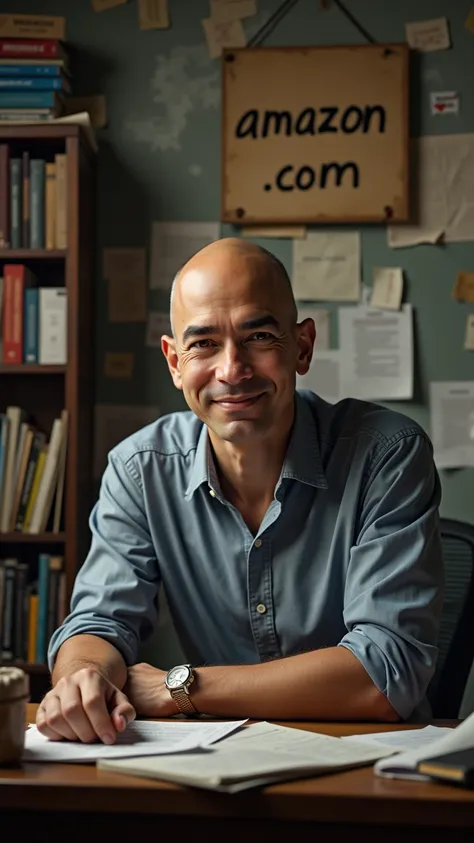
(237, 349)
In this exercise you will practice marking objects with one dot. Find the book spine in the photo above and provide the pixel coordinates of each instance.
(37, 188)
(6, 647)
(33, 26)
(52, 325)
(37, 444)
(20, 638)
(28, 99)
(27, 116)
(61, 200)
(43, 587)
(26, 200)
(16, 194)
(30, 329)
(13, 315)
(50, 205)
(12, 71)
(32, 626)
(4, 196)
(36, 83)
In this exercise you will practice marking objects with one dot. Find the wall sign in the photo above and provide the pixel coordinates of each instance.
(315, 134)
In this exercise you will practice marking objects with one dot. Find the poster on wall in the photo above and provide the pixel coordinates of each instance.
(315, 134)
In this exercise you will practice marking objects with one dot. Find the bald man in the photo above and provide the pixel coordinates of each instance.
(296, 541)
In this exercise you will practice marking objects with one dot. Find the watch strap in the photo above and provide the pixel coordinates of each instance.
(183, 702)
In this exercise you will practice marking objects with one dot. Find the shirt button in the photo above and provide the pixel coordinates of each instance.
(261, 608)
(258, 542)
(212, 493)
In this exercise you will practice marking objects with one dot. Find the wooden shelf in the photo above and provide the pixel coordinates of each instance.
(32, 254)
(32, 538)
(31, 369)
(28, 667)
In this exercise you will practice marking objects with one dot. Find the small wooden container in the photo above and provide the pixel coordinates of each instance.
(14, 694)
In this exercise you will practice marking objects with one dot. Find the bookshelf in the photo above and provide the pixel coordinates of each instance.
(45, 390)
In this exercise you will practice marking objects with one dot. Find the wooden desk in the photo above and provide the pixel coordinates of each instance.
(66, 802)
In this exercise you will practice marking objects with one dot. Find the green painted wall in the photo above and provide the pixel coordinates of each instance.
(160, 159)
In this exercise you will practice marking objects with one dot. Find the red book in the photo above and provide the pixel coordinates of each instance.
(15, 278)
(30, 48)
(4, 196)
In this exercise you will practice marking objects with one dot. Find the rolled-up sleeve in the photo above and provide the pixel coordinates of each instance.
(115, 590)
(395, 577)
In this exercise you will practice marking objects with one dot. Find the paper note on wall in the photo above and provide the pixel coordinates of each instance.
(323, 377)
(387, 290)
(469, 338)
(376, 353)
(443, 168)
(452, 423)
(118, 364)
(469, 22)
(292, 232)
(127, 264)
(157, 325)
(321, 319)
(127, 302)
(326, 267)
(113, 423)
(428, 35)
(153, 14)
(444, 102)
(173, 244)
(103, 5)
(220, 36)
(463, 289)
(224, 11)
(95, 105)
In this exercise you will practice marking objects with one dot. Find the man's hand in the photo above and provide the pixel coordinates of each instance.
(146, 690)
(85, 707)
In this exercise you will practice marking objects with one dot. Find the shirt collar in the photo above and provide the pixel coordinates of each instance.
(302, 461)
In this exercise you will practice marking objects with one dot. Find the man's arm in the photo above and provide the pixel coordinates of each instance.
(83, 651)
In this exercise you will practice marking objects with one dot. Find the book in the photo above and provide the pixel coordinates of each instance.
(404, 765)
(454, 767)
(16, 197)
(4, 196)
(36, 49)
(259, 754)
(34, 83)
(52, 325)
(29, 68)
(32, 26)
(26, 115)
(17, 278)
(32, 99)
(37, 203)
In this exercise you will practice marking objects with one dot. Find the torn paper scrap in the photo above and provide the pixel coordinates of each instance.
(387, 289)
(463, 289)
(428, 35)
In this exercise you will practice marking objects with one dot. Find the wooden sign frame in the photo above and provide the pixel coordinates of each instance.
(315, 134)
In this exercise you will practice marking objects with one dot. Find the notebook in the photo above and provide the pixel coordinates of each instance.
(452, 767)
(257, 755)
(405, 764)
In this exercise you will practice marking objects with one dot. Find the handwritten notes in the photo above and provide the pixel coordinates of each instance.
(428, 35)
(153, 14)
(387, 287)
(220, 36)
(326, 267)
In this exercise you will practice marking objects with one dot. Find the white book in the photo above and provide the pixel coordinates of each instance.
(48, 481)
(260, 754)
(16, 416)
(52, 325)
(404, 764)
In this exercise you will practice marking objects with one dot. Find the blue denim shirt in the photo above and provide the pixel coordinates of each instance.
(347, 554)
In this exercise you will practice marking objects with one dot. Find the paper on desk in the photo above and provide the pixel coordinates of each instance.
(326, 267)
(220, 36)
(428, 35)
(224, 11)
(324, 376)
(443, 167)
(452, 423)
(404, 764)
(172, 244)
(387, 290)
(142, 737)
(376, 353)
(403, 739)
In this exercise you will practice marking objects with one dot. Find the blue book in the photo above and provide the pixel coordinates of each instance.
(43, 589)
(29, 99)
(16, 203)
(38, 83)
(37, 193)
(30, 329)
(12, 70)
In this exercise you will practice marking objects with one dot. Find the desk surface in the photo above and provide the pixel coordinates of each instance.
(355, 796)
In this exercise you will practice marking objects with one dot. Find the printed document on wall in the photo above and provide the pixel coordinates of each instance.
(443, 174)
(323, 377)
(321, 319)
(326, 267)
(376, 353)
(452, 423)
(172, 244)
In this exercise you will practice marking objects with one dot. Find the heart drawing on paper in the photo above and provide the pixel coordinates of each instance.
(440, 106)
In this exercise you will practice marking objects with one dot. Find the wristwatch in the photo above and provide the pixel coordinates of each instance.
(178, 681)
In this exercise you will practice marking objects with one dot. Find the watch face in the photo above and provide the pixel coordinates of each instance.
(178, 676)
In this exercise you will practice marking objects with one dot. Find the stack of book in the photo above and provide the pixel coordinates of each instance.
(33, 324)
(32, 473)
(34, 72)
